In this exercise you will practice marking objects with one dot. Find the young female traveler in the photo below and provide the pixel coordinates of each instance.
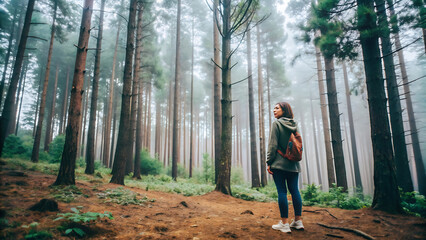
(284, 171)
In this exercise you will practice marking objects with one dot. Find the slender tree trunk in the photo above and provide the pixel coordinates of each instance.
(157, 147)
(223, 183)
(148, 131)
(90, 150)
(123, 144)
(386, 194)
(421, 176)
(175, 157)
(66, 175)
(64, 105)
(358, 182)
(336, 135)
(216, 89)
(38, 102)
(317, 157)
(114, 124)
(327, 140)
(37, 138)
(269, 90)
(107, 140)
(137, 95)
(83, 145)
(14, 122)
(403, 174)
(262, 138)
(255, 181)
(20, 103)
(191, 124)
(9, 48)
(51, 116)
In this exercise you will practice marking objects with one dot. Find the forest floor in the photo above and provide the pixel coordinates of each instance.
(172, 216)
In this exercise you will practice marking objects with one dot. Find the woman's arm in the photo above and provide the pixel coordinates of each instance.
(273, 144)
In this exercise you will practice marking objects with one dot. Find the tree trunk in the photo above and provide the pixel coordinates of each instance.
(224, 177)
(336, 135)
(325, 123)
(403, 174)
(114, 124)
(262, 138)
(107, 140)
(175, 151)
(66, 175)
(386, 194)
(255, 181)
(14, 123)
(51, 116)
(20, 103)
(124, 131)
(37, 138)
(90, 148)
(191, 124)
(9, 48)
(421, 177)
(358, 182)
(38, 102)
(64, 105)
(216, 89)
(317, 157)
(137, 97)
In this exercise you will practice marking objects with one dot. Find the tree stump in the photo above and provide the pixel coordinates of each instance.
(45, 205)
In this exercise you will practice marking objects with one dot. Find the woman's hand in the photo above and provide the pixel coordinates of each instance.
(269, 170)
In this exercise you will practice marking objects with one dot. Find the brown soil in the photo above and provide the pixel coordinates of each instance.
(211, 216)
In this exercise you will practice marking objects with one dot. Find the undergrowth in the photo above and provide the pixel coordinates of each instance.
(123, 196)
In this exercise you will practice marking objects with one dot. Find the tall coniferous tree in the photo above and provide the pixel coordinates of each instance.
(9, 103)
(217, 95)
(255, 181)
(403, 174)
(123, 144)
(176, 120)
(66, 175)
(421, 176)
(386, 194)
(90, 150)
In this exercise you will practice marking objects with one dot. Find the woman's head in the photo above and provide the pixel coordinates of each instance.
(283, 109)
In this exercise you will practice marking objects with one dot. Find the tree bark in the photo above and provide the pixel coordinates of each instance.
(336, 135)
(66, 175)
(386, 194)
(90, 150)
(255, 181)
(262, 138)
(20, 102)
(64, 105)
(37, 138)
(421, 176)
(216, 89)
(137, 95)
(51, 116)
(223, 183)
(403, 174)
(325, 124)
(314, 135)
(175, 151)
(9, 103)
(358, 182)
(124, 131)
(191, 124)
(14, 123)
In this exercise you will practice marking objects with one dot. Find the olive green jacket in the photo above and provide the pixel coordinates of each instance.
(278, 139)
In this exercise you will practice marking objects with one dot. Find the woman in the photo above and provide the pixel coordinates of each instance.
(283, 170)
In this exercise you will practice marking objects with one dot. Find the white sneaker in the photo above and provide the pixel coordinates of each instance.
(282, 227)
(297, 224)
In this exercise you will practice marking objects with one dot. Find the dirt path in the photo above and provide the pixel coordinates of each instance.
(173, 216)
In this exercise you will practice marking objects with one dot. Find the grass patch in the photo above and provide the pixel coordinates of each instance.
(67, 194)
(123, 196)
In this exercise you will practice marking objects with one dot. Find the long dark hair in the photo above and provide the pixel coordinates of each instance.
(287, 111)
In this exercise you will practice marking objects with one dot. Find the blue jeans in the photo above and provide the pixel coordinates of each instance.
(280, 179)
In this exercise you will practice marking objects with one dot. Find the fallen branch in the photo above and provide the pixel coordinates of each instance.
(333, 235)
(356, 231)
(315, 211)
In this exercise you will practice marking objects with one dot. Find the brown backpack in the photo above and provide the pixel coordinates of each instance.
(294, 148)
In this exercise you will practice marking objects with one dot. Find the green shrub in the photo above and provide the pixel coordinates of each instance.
(13, 146)
(35, 234)
(413, 203)
(208, 169)
(237, 176)
(310, 195)
(56, 147)
(150, 165)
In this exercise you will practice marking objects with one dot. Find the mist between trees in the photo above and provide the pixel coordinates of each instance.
(185, 78)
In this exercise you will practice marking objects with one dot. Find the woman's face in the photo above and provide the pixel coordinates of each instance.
(278, 112)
